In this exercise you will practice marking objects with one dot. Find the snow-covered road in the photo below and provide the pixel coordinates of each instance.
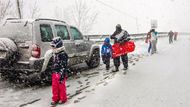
(160, 80)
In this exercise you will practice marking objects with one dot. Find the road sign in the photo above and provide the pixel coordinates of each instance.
(154, 24)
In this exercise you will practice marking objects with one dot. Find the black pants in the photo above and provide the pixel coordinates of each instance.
(170, 39)
(124, 58)
(106, 61)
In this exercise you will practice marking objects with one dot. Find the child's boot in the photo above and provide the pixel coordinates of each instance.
(53, 103)
(61, 102)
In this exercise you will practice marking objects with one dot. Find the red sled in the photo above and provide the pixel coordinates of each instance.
(119, 49)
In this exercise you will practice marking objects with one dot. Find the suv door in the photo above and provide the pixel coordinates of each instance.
(80, 43)
(62, 31)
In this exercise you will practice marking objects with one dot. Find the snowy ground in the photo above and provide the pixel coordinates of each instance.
(160, 80)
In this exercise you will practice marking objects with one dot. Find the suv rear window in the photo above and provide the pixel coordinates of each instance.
(16, 31)
(62, 32)
(46, 32)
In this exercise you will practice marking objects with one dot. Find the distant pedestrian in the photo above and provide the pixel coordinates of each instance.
(170, 34)
(148, 40)
(106, 52)
(153, 39)
(175, 35)
(59, 72)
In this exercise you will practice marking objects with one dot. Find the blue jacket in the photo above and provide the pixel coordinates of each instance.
(106, 49)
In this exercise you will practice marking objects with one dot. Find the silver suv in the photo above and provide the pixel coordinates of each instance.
(25, 50)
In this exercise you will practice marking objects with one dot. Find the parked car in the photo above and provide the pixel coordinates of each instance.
(25, 50)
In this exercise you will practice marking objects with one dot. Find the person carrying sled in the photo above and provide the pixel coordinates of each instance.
(59, 71)
(120, 36)
(106, 52)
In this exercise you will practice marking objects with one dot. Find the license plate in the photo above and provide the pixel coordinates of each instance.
(2, 54)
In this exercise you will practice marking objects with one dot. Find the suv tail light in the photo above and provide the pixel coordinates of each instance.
(36, 51)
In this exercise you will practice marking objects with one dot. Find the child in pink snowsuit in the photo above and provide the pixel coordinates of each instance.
(59, 72)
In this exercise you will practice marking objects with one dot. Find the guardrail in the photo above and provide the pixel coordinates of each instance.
(140, 36)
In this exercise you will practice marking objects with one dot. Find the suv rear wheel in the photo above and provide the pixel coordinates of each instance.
(94, 59)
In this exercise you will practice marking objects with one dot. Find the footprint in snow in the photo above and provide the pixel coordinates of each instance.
(87, 83)
(76, 101)
(80, 98)
(79, 82)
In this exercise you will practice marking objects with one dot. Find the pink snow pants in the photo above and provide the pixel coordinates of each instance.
(58, 89)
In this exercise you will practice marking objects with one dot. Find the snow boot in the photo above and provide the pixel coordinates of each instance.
(61, 102)
(115, 70)
(53, 103)
(107, 68)
(125, 68)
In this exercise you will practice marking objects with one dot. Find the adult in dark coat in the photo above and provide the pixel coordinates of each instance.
(170, 34)
(120, 36)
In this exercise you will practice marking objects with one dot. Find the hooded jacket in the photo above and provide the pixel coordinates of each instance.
(106, 49)
(60, 62)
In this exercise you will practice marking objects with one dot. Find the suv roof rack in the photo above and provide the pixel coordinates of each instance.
(12, 18)
(50, 20)
(9, 19)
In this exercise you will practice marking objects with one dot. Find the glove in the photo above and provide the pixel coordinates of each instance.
(61, 77)
(128, 39)
(115, 39)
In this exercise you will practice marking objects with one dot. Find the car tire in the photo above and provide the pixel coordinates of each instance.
(94, 59)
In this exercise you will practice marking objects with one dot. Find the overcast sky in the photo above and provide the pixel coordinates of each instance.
(170, 14)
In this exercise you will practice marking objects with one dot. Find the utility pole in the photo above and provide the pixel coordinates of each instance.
(137, 24)
(18, 8)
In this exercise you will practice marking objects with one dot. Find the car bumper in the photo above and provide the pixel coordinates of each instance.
(24, 66)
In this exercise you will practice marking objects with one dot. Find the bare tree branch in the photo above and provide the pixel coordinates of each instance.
(5, 7)
(83, 17)
(62, 14)
(35, 11)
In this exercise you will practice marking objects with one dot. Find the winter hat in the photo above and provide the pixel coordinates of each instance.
(56, 42)
(152, 30)
(118, 27)
(107, 40)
